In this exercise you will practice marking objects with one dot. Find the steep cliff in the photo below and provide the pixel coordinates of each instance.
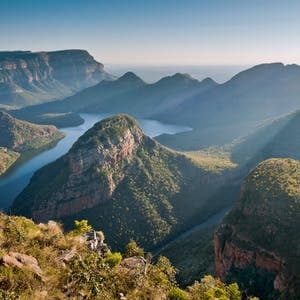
(125, 183)
(258, 242)
(34, 77)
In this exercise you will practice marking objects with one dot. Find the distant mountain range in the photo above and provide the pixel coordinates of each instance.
(236, 107)
(28, 78)
(218, 113)
(128, 94)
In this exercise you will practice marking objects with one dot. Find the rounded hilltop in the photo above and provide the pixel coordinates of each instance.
(111, 129)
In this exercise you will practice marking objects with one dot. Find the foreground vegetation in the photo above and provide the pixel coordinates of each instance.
(39, 261)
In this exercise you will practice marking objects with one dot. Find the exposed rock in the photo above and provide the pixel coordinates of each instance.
(135, 266)
(33, 77)
(95, 241)
(19, 260)
(262, 231)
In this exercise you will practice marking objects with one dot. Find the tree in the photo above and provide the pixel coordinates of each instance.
(81, 227)
(132, 249)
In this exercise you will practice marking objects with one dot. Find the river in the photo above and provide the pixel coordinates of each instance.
(16, 179)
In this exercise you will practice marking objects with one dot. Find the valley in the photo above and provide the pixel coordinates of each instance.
(165, 166)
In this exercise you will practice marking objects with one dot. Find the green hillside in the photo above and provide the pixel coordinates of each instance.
(127, 184)
(258, 242)
(20, 137)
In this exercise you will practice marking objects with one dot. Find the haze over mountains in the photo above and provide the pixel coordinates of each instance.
(218, 113)
(128, 94)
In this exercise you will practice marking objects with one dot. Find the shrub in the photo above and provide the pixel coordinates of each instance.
(177, 294)
(113, 259)
(132, 249)
(81, 227)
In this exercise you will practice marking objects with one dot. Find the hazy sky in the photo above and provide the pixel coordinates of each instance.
(194, 32)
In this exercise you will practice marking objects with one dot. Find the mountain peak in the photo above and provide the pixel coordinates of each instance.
(183, 76)
(177, 78)
(130, 77)
(259, 72)
(209, 81)
(109, 132)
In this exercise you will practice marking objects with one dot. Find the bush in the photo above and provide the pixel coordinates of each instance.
(81, 227)
(177, 294)
(132, 249)
(113, 259)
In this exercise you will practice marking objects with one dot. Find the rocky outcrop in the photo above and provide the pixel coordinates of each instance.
(261, 232)
(34, 77)
(21, 261)
(101, 168)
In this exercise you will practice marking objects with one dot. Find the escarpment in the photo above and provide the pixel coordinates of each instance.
(34, 77)
(258, 242)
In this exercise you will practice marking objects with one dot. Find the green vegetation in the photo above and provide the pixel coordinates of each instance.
(266, 220)
(132, 249)
(81, 227)
(210, 288)
(19, 137)
(52, 265)
(177, 294)
(212, 159)
(273, 189)
(139, 189)
(192, 256)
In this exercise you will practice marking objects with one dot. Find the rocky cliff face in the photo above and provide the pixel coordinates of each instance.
(258, 242)
(30, 78)
(122, 181)
(100, 167)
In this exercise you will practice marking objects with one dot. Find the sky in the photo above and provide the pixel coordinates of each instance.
(157, 32)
